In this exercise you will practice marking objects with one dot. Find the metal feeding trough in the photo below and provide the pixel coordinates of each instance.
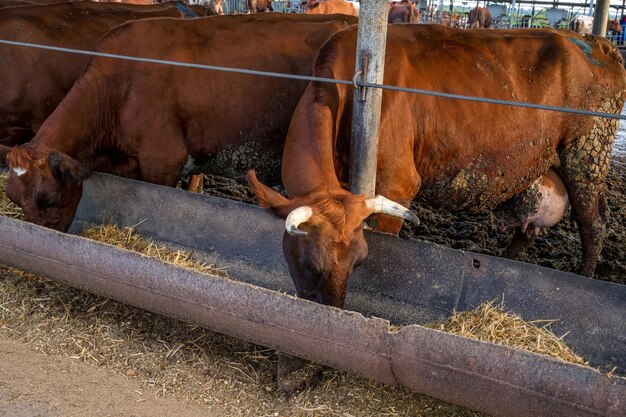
(404, 282)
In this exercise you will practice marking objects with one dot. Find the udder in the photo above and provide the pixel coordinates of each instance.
(543, 204)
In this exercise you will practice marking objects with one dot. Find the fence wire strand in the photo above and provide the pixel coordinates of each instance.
(319, 79)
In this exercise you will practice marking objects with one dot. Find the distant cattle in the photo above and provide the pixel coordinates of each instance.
(456, 154)
(260, 6)
(479, 17)
(582, 25)
(403, 12)
(331, 7)
(33, 81)
(144, 120)
(613, 26)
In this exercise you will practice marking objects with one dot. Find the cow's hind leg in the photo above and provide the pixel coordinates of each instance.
(584, 166)
(520, 242)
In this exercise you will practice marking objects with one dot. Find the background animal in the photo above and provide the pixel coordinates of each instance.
(480, 17)
(582, 25)
(260, 6)
(144, 121)
(403, 12)
(331, 7)
(33, 81)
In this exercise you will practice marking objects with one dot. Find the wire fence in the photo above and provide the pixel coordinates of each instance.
(355, 82)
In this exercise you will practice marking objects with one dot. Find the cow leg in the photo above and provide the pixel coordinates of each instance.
(161, 161)
(295, 374)
(584, 166)
(520, 242)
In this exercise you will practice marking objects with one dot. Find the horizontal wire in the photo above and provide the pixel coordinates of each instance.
(320, 79)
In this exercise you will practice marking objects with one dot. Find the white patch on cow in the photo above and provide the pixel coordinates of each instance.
(19, 171)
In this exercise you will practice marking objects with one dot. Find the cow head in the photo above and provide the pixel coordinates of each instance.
(324, 238)
(47, 185)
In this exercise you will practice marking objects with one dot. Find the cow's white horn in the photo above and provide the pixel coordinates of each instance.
(295, 218)
(383, 205)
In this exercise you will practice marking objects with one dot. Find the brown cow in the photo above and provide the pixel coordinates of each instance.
(143, 120)
(260, 6)
(34, 81)
(479, 17)
(331, 7)
(403, 12)
(456, 154)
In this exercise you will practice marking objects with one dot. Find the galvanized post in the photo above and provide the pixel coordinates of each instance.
(600, 17)
(370, 64)
(511, 14)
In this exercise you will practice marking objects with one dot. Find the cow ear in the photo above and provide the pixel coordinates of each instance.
(268, 198)
(67, 170)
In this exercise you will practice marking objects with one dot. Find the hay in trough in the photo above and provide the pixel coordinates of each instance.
(490, 323)
(128, 239)
(7, 208)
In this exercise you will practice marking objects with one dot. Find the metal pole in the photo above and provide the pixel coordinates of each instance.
(370, 61)
(440, 12)
(511, 14)
(600, 17)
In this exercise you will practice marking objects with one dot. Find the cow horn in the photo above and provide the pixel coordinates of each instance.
(380, 204)
(297, 216)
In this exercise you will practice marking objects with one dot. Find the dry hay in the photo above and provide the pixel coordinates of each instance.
(490, 323)
(128, 239)
(7, 208)
(168, 357)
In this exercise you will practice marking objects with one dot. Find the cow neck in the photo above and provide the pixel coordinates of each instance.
(75, 126)
(308, 164)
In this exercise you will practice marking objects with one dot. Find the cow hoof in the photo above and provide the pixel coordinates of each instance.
(296, 374)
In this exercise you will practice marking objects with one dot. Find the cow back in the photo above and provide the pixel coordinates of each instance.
(488, 153)
(33, 81)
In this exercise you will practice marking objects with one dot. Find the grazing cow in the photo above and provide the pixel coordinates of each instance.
(34, 81)
(260, 6)
(144, 120)
(456, 154)
(331, 7)
(403, 12)
(543, 205)
(479, 17)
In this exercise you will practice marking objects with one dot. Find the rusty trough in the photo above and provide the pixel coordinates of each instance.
(403, 281)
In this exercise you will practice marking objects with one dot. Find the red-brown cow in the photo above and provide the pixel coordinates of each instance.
(479, 17)
(403, 12)
(34, 81)
(331, 7)
(456, 154)
(143, 120)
